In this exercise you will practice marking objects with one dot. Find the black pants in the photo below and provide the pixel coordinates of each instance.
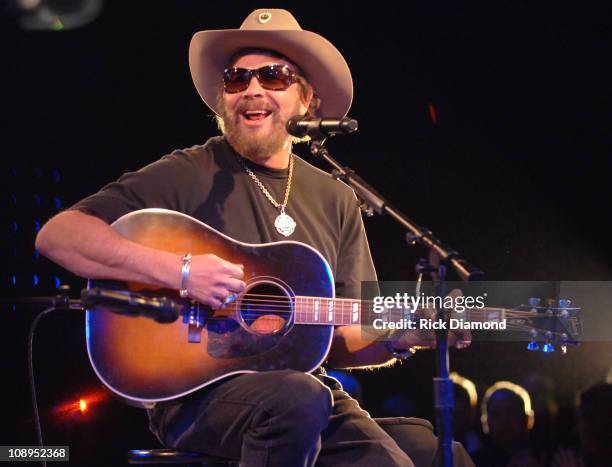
(293, 419)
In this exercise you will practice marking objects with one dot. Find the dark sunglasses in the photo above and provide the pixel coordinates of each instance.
(271, 77)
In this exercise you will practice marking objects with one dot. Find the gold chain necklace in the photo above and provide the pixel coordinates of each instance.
(284, 223)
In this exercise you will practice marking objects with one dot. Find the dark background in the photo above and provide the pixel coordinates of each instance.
(513, 171)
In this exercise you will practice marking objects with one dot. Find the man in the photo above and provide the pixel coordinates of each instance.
(507, 419)
(249, 186)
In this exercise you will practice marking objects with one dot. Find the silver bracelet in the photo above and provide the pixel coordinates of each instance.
(183, 292)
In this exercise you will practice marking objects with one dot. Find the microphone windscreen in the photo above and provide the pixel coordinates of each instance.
(294, 128)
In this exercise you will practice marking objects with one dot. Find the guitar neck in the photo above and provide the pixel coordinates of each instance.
(346, 311)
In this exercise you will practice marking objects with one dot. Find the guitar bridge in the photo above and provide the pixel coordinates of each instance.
(195, 322)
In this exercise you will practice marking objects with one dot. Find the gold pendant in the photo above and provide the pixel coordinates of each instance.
(284, 224)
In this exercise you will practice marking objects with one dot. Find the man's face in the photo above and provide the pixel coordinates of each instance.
(259, 136)
(507, 420)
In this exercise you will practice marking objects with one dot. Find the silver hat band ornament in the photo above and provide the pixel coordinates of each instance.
(264, 17)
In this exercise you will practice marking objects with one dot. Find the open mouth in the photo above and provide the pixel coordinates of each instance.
(255, 115)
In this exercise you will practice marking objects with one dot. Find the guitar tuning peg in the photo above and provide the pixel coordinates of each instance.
(533, 345)
(548, 347)
(563, 344)
(564, 303)
(550, 305)
(533, 301)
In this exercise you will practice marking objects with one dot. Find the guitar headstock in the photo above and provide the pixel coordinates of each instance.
(550, 324)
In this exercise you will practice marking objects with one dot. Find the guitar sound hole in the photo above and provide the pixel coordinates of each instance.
(265, 308)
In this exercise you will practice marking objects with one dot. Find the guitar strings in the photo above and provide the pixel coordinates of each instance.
(259, 305)
(246, 298)
(284, 302)
(512, 327)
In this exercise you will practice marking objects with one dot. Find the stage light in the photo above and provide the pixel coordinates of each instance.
(55, 15)
(79, 408)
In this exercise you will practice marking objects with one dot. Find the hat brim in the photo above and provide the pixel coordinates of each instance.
(324, 66)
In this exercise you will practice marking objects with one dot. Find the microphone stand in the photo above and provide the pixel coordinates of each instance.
(61, 301)
(163, 310)
(372, 202)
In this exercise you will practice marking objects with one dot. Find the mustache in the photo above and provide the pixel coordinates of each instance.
(254, 105)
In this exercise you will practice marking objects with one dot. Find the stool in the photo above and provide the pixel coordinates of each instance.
(171, 456)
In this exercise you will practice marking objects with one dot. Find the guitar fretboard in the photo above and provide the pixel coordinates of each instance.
(345, 311)
(333, 311)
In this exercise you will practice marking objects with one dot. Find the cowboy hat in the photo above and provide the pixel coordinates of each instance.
(277, 30)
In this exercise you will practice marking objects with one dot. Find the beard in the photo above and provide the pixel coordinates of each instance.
(259, 146)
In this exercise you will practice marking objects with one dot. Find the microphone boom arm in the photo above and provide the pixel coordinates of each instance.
(372, 201)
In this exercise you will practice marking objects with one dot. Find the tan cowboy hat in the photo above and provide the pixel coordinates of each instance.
(277, 30)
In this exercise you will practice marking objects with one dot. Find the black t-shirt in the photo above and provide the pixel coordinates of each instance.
(209, 183)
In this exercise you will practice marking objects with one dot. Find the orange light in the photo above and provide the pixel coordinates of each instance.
(79, 407)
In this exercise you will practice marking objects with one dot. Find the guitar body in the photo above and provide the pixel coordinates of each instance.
(147, 362)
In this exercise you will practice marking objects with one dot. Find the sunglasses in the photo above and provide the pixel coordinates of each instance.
(270, 77)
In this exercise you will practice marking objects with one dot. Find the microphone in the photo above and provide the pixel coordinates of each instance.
(162, 310)
(318, 128)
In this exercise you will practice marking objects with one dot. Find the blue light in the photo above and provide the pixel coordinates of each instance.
(57, 202)
(398, 405)
(348, 382)
(58, 283)
(548, 348)
(55, 174)
(35, 280)
(37, 226)
(15, 226)
(533, 346)
(36, 254)
(14, 280)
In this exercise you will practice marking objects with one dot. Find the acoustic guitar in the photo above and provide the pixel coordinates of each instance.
(284, 319)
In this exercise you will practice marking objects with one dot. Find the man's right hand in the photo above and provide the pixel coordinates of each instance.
(212, 280)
